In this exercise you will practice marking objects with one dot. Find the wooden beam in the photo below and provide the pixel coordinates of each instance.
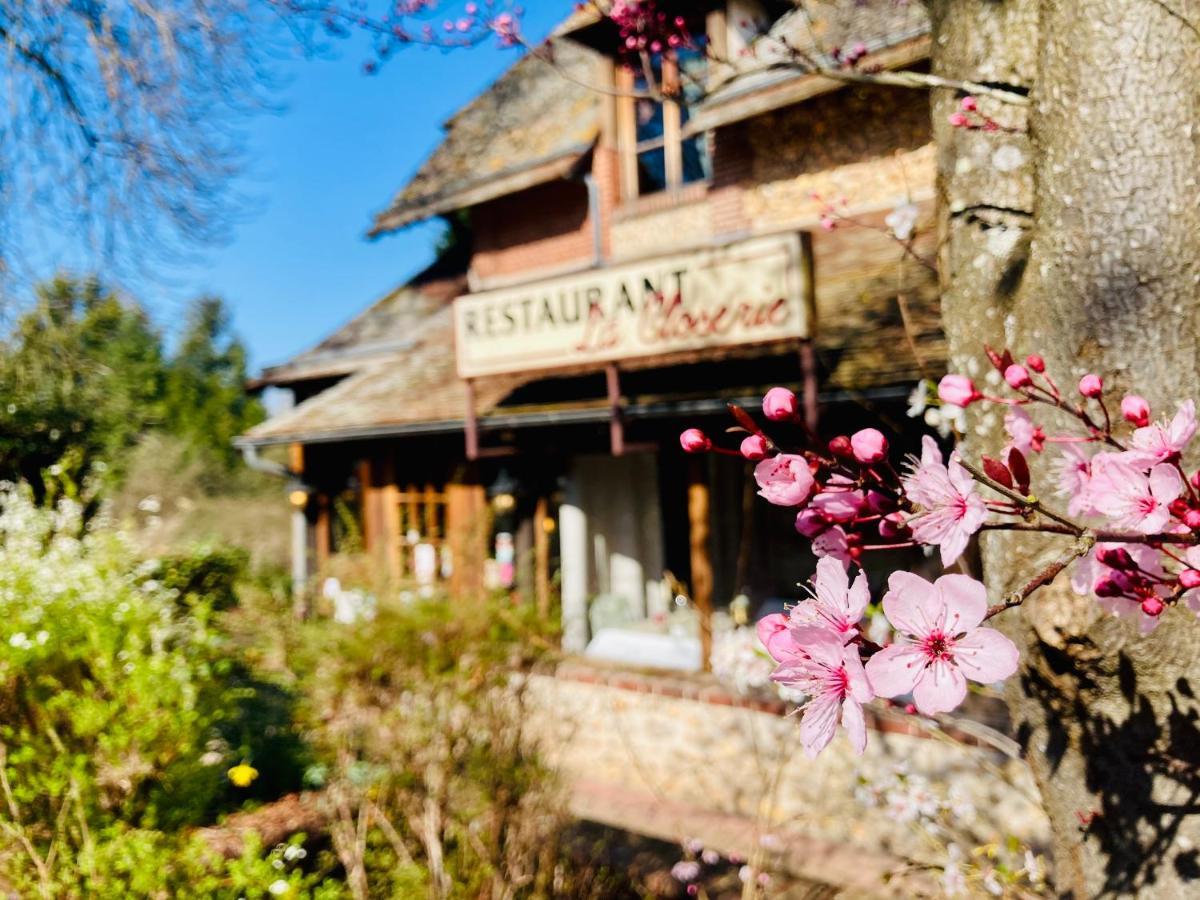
(616, 420)
(541, 557)
(627, 134)
(672, 123)
(471, 422)
(296, 459)
(702, 573)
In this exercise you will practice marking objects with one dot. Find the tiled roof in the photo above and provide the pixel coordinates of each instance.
(414, 387)
(385, 328)
(532, 125)
(893, 35)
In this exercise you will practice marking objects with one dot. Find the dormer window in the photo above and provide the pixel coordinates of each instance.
(659, 149)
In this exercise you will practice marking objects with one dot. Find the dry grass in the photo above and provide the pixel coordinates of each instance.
(170, 501)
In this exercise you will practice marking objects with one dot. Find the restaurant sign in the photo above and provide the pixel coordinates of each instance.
(747, 292)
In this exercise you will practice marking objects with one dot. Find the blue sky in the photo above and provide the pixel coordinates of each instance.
(344, 143)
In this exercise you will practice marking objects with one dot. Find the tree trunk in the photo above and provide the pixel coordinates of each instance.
(1103, 277)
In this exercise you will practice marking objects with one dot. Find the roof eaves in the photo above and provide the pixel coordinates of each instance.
(768, 89)
(480, 190)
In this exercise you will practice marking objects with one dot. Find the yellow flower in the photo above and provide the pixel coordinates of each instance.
(242, 774)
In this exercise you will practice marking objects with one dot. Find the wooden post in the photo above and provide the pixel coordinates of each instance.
(367, 497)
(616, 421)
(702, 574)
(323, 535)
(389, 514)
(471, 423)
(467, 529)
(808, 369)
(541, 557)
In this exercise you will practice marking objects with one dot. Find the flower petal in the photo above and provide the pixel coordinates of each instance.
(858, 597)
(855, 724)
(986, 656)
(912, 604)
(965, 602)
(895, 670)
(1165, 483)
(940, 688)
(819, 723)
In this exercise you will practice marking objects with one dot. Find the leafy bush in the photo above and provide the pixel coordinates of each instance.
(433, 786)
(119, 708)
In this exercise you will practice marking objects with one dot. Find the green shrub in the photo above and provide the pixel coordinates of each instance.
(120, 710)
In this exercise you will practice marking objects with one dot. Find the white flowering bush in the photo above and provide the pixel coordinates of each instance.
(112, 694)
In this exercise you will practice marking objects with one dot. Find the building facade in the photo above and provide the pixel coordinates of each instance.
(628, 261)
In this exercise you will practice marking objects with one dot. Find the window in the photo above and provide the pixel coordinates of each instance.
(659, 149)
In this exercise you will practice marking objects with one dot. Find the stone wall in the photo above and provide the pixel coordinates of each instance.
(700, 753)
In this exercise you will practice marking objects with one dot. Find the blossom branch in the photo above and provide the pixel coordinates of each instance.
(1079, 549)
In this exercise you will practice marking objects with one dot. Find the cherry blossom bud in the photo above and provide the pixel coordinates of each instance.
(1136, 410)
(1091, 385)
(779, 404)
(968, 104)
(1153, 606)
(957, 119)
(869, 446)
(695, 441)
(910, 708)
(1191, 519)
(1017, 376)
(754, 447)
(1036, 363)
(957, 389)
(1106, 587)
(811, 522)
(1178, 507)
(1189, 578)
(1116, 558)
(841, 446)
(892, 526)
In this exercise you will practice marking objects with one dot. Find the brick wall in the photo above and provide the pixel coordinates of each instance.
(545, 227)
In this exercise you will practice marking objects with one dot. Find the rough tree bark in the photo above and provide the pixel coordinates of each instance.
(1087, 250)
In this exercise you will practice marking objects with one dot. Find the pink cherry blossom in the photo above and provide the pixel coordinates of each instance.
(1074, 472)
(1131, 499)
(1135, 409)
(832, 543)
(754, 447)
(784, 480)
(695, 441)
(1122, 593)
(831, 674)
(1092, 386)
(779, 404)
(958, 390)
(948, 646)
(811, 522)
(951, 510)
(774, 634)
(869, 446)
(836, 605)
(839, 502)
(1025, 435)
(1163, 441)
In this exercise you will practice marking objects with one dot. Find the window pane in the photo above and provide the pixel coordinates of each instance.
(696, 163)
(652, 171)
